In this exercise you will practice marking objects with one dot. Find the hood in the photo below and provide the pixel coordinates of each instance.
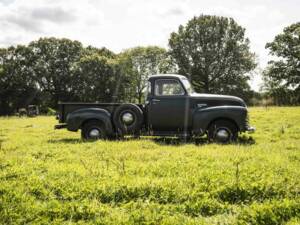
(216, 100)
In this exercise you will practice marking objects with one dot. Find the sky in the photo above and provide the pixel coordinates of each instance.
(122, 24)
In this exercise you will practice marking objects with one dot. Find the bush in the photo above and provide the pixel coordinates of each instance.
(50, 111)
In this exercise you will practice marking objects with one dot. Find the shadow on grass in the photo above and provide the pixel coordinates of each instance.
(242, 140)
(245, 140)
(179, 141)
(66, 141)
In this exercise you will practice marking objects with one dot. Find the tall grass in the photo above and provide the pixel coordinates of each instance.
(52, 177)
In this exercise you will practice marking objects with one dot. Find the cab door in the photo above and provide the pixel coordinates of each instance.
(168, 108)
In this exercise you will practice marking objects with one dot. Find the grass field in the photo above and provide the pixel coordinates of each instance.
(52, 177)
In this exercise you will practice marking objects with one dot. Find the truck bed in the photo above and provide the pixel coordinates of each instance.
(68, 107)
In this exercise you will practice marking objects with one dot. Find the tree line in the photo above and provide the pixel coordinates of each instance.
(211, 51)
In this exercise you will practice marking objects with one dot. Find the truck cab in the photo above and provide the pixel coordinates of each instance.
(174, 107)
(171, 108)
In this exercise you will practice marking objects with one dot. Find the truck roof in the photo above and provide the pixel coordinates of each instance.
(178, 76)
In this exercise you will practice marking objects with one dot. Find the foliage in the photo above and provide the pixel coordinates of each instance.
(51, 70)
(96, 79)
(51, 112)
(90, 50)
(282, 76)
(214, 53)
(211, 51)
(54, 61)
(52, 177)
(17, 85)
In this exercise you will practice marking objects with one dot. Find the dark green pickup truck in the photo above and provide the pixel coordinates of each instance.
(172, 108)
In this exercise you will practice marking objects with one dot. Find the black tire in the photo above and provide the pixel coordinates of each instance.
(126, 126)
(93, 130)
(222, 131)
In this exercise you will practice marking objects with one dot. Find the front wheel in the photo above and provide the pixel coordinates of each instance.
(222, 131)
(93, 130)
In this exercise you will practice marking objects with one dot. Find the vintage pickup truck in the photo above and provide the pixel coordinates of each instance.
(171, 108)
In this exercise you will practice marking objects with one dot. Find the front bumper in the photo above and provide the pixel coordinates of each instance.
(250, 129)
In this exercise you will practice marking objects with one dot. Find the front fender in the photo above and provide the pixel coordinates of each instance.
(77, 118)
(203, 117)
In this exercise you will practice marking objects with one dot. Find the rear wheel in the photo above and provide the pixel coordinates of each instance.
(93, 130)
(222, 131)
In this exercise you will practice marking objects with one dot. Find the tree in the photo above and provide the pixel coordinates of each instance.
(51, 70)
(136, 64)
(96, 80)
(214, 53)
(54, 61)
(90, 50)
(17, 83)
(282, 76)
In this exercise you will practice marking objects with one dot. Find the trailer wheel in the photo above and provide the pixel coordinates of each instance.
(93, 130)
(222, 131)
(128, 119)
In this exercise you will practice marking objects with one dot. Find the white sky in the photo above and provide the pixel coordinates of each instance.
(121, 24)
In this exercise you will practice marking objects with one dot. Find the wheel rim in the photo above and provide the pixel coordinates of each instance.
(94, 133)
(223, 134)
(127, 118)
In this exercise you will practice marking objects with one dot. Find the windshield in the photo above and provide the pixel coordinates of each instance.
(187, 85)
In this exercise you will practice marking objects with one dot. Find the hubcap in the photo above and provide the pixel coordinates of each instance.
(222, 135)
(127, 118)
(94, 133)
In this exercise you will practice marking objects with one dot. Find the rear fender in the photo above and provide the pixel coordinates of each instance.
(202, 118)
(76, 119)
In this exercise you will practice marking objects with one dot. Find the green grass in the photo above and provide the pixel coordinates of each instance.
(52, 177)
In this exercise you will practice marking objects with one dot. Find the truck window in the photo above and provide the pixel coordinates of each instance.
(147, 91)
(187, 85)
(168, 87)
(148, 88)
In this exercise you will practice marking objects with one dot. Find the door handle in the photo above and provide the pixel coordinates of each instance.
(155, 100)
(201, 105)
